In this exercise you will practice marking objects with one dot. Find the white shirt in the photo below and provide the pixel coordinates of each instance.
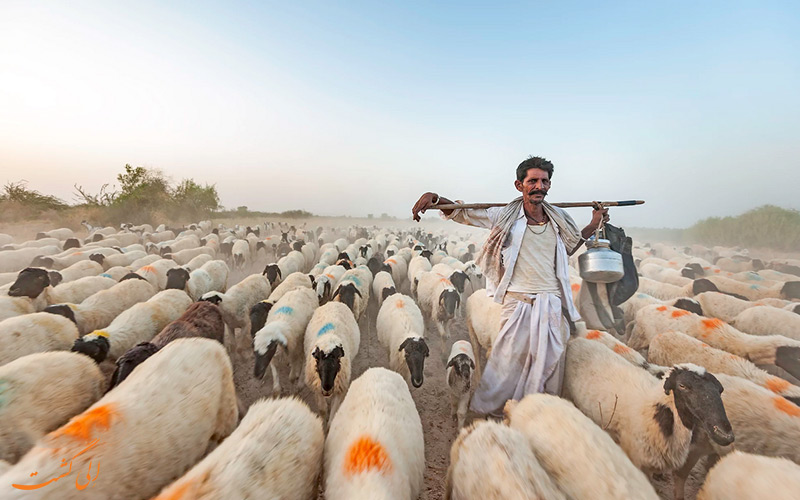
(535, 271)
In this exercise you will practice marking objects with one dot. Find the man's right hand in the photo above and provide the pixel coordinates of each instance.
(425, 202)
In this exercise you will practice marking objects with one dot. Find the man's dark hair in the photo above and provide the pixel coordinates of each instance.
(534, 162)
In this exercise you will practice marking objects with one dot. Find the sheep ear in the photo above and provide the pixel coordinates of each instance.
(714, 380)
(452, 362)
(669, 384)
(404, 344)
(357, 292)
(471, 364)
(336, 292)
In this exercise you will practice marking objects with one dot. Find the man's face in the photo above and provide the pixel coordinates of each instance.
(535, 186)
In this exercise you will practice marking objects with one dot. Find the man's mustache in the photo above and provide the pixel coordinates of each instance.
(538, 191)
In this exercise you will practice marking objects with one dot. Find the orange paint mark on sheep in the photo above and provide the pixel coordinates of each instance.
(621, 349)
(82, 426)
(704, 345)
(712, 323)
(706, 268)
(176, 493)
(661, 308)
(400, 303)
(776, 384)
(786, 406)
(593, 335)
(679, 313)
(730, 274)
(672, 263)
(575, 287)
(717, 271)
(365, 455)
(148, 269)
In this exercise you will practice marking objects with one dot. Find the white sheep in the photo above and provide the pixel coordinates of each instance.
(670, 348)
(416, 267)
(398, 267)
(61, 233)
(327, 280)
(198, 261)
(156, 272)
(236, 302)
(375, 447)
(285, 327)
(183, 257)
(143, 434)
(120, 259)
(353, 289)
(781, 290)
(179, 243)
(275, 450)
(293, 262)
(383, 286)
(761, 350)
(439, 301)
(15, 260)
(620, 348)
(640, 299)
(401, 331)
(331, 343)
(139, 323)
(211, 276)
(35, 284)
(492, 461)
(459, 371)
(579, 456)
(40, 393)
(292, 282)
(763, 422)
(483, 324)
(100, 309)
(751, 477)
(241, 254)
(36, 332)
(144, 261)
(767, 320)
(79, 270)
(652, 420)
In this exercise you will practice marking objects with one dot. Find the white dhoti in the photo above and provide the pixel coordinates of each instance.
(527, 356)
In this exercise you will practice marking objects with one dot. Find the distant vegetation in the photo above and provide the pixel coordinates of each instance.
(140, 195)
(767, 226)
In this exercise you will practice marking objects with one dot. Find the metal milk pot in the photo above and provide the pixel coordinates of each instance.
(600, 264)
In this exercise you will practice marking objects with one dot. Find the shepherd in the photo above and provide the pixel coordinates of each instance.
(525, 261)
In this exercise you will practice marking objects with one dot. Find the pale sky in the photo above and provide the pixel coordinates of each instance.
(359, 108)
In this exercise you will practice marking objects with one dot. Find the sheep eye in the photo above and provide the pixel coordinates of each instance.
(681, 386)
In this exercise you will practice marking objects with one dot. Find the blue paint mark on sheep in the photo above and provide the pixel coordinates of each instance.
(642, 296)
(106, 275)
(754, 287)
(284, 310)
(754, 277)
(354, 280)
(327, 327)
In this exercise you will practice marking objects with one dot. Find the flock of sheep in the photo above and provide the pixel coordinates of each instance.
(707, 364)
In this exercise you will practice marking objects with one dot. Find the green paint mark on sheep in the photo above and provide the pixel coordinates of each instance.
(327, 327)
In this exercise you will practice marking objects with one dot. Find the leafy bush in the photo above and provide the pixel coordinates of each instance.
(17, 201)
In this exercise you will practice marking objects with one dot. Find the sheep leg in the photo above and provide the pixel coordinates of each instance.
(444, 337)
(679, 476)
(463, 403)
(276, 383)
(476, 346)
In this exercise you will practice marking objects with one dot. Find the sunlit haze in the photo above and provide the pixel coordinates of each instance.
(355, 108)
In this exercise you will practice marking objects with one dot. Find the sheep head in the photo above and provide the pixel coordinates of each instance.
(265, 345)
(258, 316)
(135, 356)
(346, 294)
(273, 274)
(177, 278)
(415, 351)
(95, 345)
(30, 282)
(328, 364)
(788, 358)
(696, 393)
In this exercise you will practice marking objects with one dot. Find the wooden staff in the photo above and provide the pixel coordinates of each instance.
(565, 204)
